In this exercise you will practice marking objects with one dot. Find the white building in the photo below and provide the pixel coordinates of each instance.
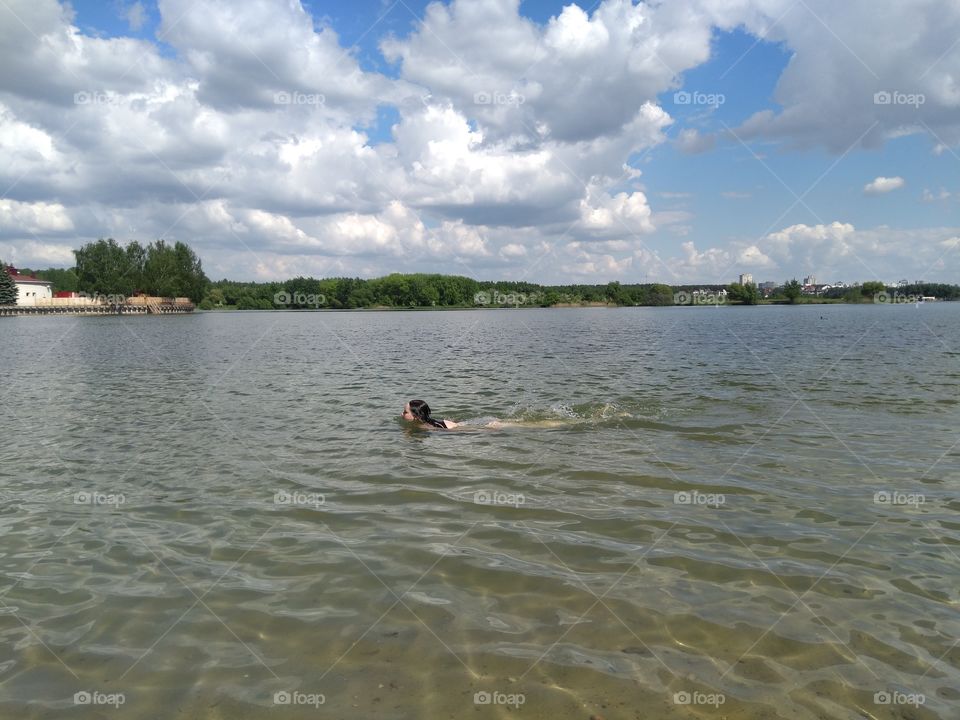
(746, 278)
(30, 289)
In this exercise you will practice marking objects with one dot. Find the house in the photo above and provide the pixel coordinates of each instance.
(30, 289)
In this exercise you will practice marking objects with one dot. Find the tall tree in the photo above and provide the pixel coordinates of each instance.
(792, 291)
(104, 267)
(8, 288)
(748, 293)
(192, 281)
(160, 272)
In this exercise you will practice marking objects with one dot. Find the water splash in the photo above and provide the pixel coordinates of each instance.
(556, 415)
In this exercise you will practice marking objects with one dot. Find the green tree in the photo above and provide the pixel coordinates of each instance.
(192, 281)
(747, 294)
(63, 279)
(8, 288)
(792, 291)
(659, 295)
(104, 267)
(872, 288)
(172, 271)
(160, 270)
(136, 257)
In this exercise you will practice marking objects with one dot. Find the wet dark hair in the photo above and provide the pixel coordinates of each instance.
(421, 411)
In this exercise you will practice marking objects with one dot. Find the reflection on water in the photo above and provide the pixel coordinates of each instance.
(736, 512)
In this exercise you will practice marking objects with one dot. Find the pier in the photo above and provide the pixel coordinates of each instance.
(137, 305)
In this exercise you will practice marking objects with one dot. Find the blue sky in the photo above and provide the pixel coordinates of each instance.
(775, 151)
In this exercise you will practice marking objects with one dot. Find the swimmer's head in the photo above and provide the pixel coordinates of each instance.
(419, 410)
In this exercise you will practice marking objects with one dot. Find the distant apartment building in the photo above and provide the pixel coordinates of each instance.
(768, 285)
(746, 278)
(810, 280)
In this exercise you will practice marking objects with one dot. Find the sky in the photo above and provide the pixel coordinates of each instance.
(674, 141)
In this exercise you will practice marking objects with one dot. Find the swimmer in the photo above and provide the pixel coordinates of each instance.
(418, 411)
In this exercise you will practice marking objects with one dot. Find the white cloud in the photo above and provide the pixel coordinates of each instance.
(855, 76)
(539, 169)
(135, 15)
(883, 185)
(35, 254)
(513, 250)
(930, 196)
(602, 214)
(618, 58)
(691, 142)
(753, 257)
(33, 218)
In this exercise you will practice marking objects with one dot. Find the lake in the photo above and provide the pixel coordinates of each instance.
(690, 513)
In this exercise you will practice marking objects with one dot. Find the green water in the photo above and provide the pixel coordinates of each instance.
(203, 513)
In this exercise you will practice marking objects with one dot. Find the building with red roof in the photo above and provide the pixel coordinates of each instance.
(30, 288)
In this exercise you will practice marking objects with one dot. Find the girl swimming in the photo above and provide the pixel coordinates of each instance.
(418, 411)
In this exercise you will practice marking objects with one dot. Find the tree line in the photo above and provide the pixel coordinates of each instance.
(108, 268)
(422, 290)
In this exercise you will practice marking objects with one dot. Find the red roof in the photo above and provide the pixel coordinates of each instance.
(17, 277)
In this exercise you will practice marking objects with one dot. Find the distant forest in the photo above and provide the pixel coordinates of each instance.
(108, 268)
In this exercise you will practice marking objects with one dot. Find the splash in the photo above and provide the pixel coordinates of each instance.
(557, 415)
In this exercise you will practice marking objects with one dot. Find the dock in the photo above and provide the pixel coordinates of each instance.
(136, 305)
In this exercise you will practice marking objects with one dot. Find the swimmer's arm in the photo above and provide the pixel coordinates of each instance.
(450, 424)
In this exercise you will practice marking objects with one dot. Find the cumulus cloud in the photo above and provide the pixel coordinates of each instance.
(880, 253)
(517, 144)
(602, 214)
(34, 254)
(484, 56)
(883, 185)
(855, 78)
(33, 218)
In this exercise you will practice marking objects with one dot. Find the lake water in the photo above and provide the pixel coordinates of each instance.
(693, 513)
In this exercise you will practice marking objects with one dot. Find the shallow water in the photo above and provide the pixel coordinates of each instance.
(202, 512)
